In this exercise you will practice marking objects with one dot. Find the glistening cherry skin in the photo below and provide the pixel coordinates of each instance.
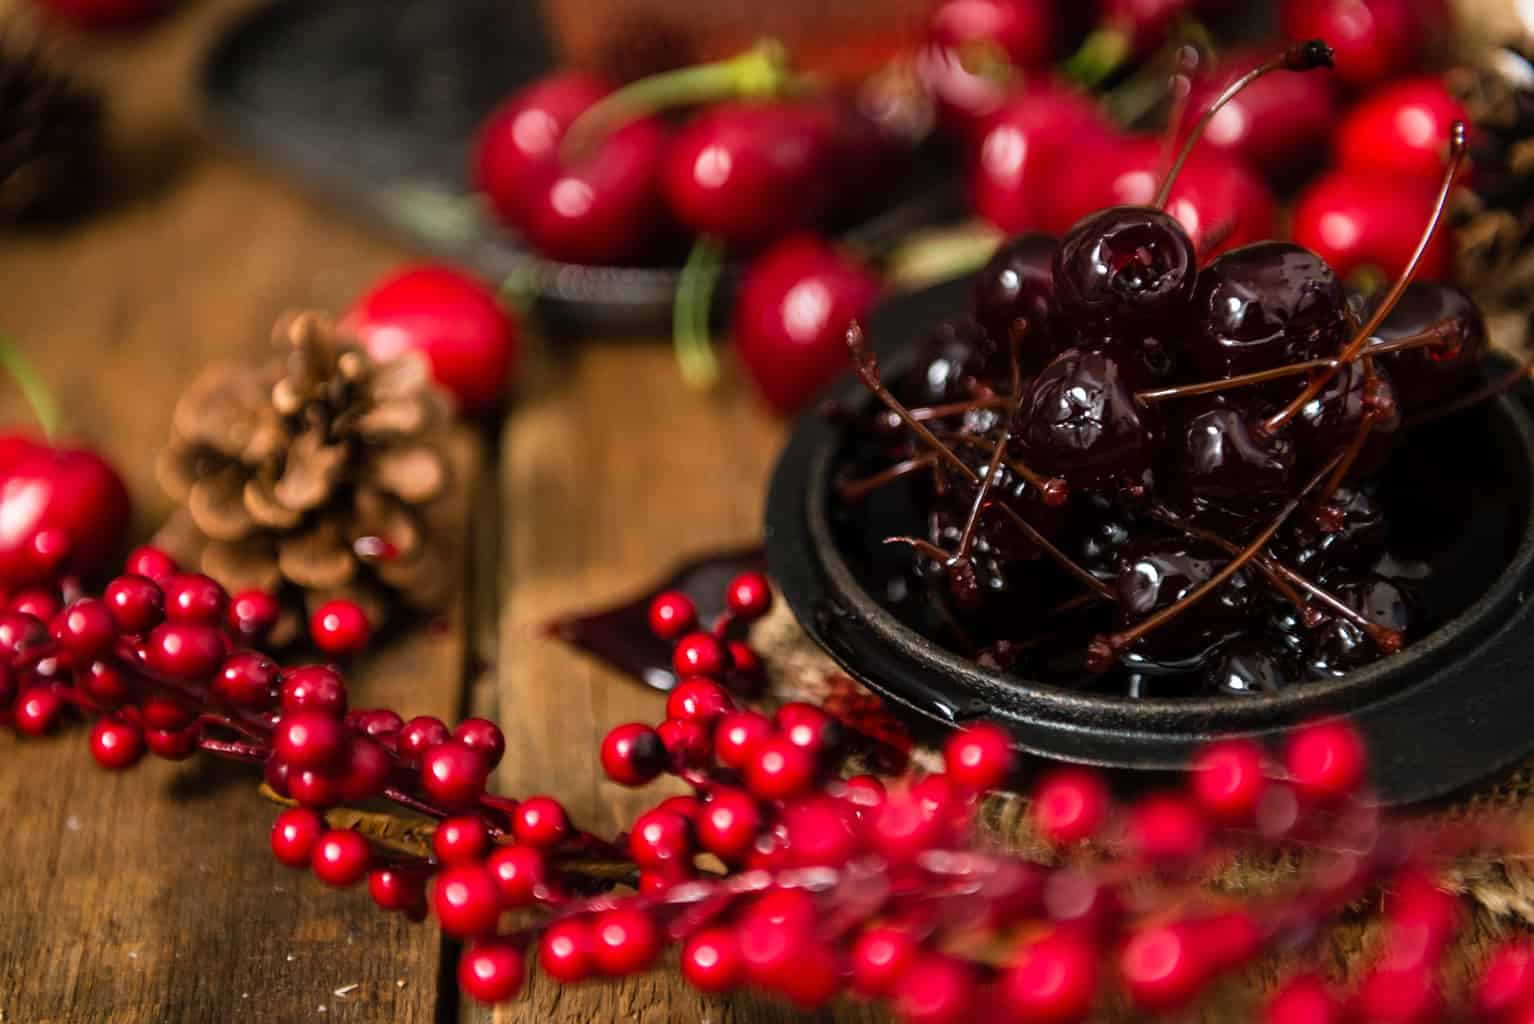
(955, 357)
(973, 47)
(1225, 474)
(1124, 265)
(1398, 130)
(599, 209)
(1331, 422)
(1081, 421)
(791, 315)
(65, 509)
(1354, 221)
(1373, 39)
(1159, 571)
(1340, 646)
(1276, 122)
(1426, 377)
(1017, 283)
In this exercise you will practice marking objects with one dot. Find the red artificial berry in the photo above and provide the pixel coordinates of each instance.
(1167, 831)
(672, 613)
(1373, 40)
(700, 654)
(808, 727)
(492, 972)
(40, 604)
(195, 598)
(105, 682)
(746, 671)
(659, 880)
(394, 890)
(172, 744)
(565, 954)
(152, 563)
(1304, 999)
(247, 679)
(728, 824)
(1163, 967)
(458, 324)
(904, 828)
(686, 741)
(253, 613)
(1325, 760)
(165, 712)
(453, 775)
(736, 737)
(136, 602)
(19, 632)
(1507, 981)
(820, 831)
(8, 690)
(117, 745)
(661, 840)
(632, 754)
(187, 651)
(698, 699)
(541, 822)
(466, 900)
(1052, 979)
(1423, 919)
(1228, 781)
(816, 980)
(778, 769)
(749, 596)
(880, 958)
(1399, 130)
(483, 736)
(294, 834)
(340, 628)
(308, 739)
(791, 316)
(518, 872)
(379, 723)
(314, 688)
(979, 757)
(37, 711)
(1399, 996)
(687, 806)
(936, 990)
(625, 942)
(1070, 805)
(340, 858)
(364, 769)
(420, 734)
(85, 628)
(774, 938)
(1229, 940)
(864, 793)
(316, 789)
(711, 961)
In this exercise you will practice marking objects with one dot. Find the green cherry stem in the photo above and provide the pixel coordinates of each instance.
(32, 386)
(690, 314)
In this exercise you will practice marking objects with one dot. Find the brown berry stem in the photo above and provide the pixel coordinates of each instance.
(867, 366)
(938, 412)
(1270, 567)
(854, 491)
(983, 492)
(1103, 650)
(1356, 346)
(1054, 490)
(1300, 57)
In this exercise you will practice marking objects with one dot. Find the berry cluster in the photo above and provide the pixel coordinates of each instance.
(1191, 444)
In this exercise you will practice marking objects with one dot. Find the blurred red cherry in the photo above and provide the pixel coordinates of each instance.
(105, 14)
(973, 49)
(1146, 23)
(1276, 121)
(598, 209)
(791, 315)
(456, 322)
(61, 509)
(1373, 39)
(1400, 129)
(1368, 220)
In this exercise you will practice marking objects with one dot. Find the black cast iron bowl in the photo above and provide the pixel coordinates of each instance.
(1452, 707)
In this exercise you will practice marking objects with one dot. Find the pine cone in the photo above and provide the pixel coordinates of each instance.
(1494, 218)
(52, 138)
(313, 474)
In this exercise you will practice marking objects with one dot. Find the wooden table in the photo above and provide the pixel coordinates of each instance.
(152, 897)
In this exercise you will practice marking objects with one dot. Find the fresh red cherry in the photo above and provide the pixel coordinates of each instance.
(470, 339)
(1143, 23)
(791, 316)
(105, 14)
(1276, 122)
(1357, 221)
(1399, 130)
(61, 509)
(1373, 39)
(1024, 148)
(974, 48)
(598, 209)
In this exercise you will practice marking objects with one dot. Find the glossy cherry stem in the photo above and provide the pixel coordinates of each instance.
(1457, 151)
(867, 366)
(760, 72)
(33, 388)
(1266, 564)
(690, 314)
(939, 412)
(1306, 56)
(857, 490)
(1180, 86)
(983, 492)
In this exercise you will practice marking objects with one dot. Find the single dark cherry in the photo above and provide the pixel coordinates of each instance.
(1017, 283)
(1122, 265)
(1158, 571)
(957, 356)
(1332, 420)
(1224, 472)
(1082, 422)
(1425, 377)
(1251, 664)
(1340, 645)
(1265, 305)
(1353, 538)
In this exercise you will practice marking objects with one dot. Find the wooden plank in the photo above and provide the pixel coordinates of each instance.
(610, 472)
(152, 896)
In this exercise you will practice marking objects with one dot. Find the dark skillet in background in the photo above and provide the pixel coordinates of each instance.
(1452, 707)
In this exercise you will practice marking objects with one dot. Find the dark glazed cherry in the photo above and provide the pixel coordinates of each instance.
(1425, 377)
(1330, 422)
(1251, 664)
(957, 354)
(1265, 305)
(1339, 646)
(1354, 537)
(1159, 571)
(1123, 265)
(1018, 282)
(1081, 421)
(1224, 473)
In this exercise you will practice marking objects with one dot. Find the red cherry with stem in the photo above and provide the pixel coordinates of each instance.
(1373, 39)
(60, 509)
(1228, 780)
(979, 757)
(711, 961)
(540, 822)
(470, 339)
(253, 613)
(1025, 145)
(1052, 979)
(936, 990)
(466, 901)
(974, 50)
(672, 614)
(116, 745)
(340, 858)
(566, 952)
(880, 958)
(1275, 123)
(294, 835)
(1399, 130)
(99, 15)
(136, 602)
(519, 872)
(492, 971)
(633, 754)
(1070, 805)
(1326, 760)
(1355, 221)
(626, 941)
(598, 210)
(340, 628)
(453, 775)
(791, 314)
